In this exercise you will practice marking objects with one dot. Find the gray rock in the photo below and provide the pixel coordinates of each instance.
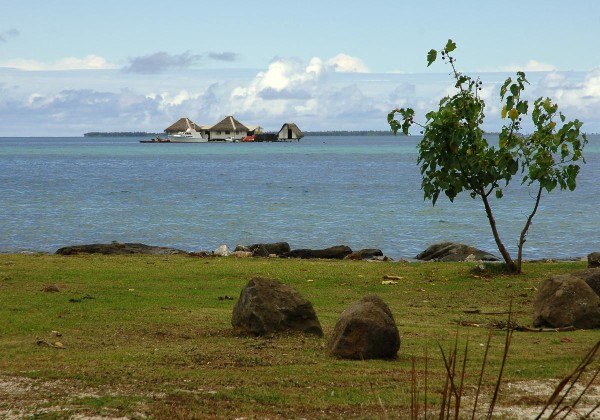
(365, 254)
(366, 330)
(264, 250)
(222, 251)
(335, 252)
(118, 249)
(267, 306)
(566, 300)
(593, 260)
(450, 251)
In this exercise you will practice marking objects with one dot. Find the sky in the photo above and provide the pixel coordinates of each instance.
(70, 66)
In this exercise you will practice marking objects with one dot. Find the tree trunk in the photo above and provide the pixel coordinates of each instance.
(488, 211)
(526, 229)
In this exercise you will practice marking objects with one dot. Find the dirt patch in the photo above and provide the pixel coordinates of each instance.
(526, 399)
(25, 397)
(22, 397)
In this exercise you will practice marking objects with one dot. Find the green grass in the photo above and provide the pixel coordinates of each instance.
(148, 335)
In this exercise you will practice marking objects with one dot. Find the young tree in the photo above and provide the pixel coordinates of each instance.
(454, 155)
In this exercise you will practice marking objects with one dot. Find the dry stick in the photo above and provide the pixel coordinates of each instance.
(453, 387)
(509, 331)
(446, 384)
(462, 379)
(589, 358)
(413, 392)
(575, 374)
(555, 394)
(449, 386)
(426, 374)
(594, 408)
(483, 364)
(582, 393)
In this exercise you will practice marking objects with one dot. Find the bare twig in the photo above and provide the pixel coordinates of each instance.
(483, 364)
(507, 341)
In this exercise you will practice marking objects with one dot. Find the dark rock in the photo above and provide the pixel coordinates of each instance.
(202, 254)
(260, 251)
(566, 300)
(366, 330)
(591, 276)
(267, 306)
(365, 254)
(450, 251)
(264, 250)
(593, 260)
(335, 252)
(118, 249)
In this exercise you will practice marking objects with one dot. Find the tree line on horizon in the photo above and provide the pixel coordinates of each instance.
(306, 133)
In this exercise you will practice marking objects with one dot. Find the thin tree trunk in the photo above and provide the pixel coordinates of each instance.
(526, 228)
(488, 210)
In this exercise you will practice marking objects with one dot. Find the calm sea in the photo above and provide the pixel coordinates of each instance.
(322, 191)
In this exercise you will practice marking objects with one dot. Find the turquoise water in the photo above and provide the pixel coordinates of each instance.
(322, 191)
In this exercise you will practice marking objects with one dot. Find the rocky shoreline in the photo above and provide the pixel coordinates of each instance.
(441, 252)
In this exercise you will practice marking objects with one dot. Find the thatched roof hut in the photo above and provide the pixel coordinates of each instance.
(290, 131)
(229, 123)
(228, 128)
(182, 124)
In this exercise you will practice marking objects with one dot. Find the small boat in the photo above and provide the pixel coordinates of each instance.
(231, 140)
(157, 139)
(249, 138)
(190, 135)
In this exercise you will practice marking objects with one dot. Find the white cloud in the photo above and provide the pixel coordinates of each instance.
(89, 62)
(285, 83)
(344, 63)
(578, 98)
(311, 94)
(530, 66)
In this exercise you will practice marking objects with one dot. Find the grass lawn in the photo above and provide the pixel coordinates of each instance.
(149, 337)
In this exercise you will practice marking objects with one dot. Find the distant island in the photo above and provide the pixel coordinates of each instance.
(120, 134)
(362, 133)
(306, 133)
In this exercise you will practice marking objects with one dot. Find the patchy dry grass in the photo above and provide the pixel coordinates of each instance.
(148, 337)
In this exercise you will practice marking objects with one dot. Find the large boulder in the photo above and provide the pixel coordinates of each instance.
(450, 251)
(335, 252)
(566, 300)
(267, 306)
(118, 249)
(366, 330)
(593, 260)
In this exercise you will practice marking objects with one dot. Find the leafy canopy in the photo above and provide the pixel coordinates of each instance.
(454, 155)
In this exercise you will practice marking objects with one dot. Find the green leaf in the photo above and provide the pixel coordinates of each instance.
(450, 46)
(522, 107)
(504, 87)
(431, 57)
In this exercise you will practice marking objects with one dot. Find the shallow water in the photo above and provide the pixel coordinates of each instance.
(322, 191)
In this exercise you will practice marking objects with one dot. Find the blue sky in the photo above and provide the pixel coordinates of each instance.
(68, 67)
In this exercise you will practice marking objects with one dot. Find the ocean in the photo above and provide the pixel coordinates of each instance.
(363, 192)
